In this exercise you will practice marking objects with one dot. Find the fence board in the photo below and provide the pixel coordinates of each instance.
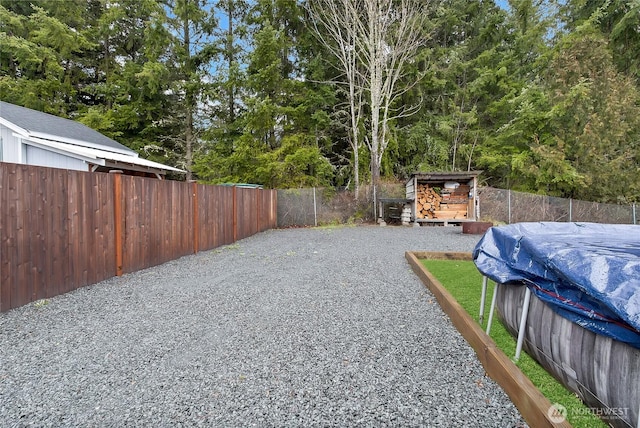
(59, 232)
(19, 294)
(225, 208)
(88, 262)
(38, 248)
(268, 213)
(7, 228)
(76, 258)
(264, 215)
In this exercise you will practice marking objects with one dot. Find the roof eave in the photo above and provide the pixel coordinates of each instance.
(81, 143)
(445, 176)
(15, 128)
(85, 158)
(133, 167)
(101, 157)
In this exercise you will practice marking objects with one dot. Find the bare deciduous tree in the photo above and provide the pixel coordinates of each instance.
(334, 24)
(374, 41)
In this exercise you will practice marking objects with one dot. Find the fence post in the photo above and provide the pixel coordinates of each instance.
(117, 218)
(634, 213)
(274, 208)
(196, 217)
(509, 204)
(570, 210)
(375, 202)
(315, 209)
(258, 213)
(235, 214)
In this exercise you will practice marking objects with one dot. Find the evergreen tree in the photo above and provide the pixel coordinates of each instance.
(192, 24)
(127, 97)
(595, 120)
(40, 60)
(276, 146)
(467, 75)
(515, 118)
(228, 77)
(618, 20)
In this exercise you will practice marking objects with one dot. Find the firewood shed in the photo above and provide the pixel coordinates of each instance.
(443, 197)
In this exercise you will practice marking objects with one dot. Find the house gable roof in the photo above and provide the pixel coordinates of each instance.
(48, 126)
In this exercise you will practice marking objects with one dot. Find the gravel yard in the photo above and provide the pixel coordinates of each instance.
(296, 327)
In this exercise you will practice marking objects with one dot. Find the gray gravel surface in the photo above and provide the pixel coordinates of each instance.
(297, 327)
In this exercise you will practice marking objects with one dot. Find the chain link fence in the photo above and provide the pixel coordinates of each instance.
(324, 206)
(507, 206)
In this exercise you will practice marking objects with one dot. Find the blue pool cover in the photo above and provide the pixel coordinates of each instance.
(588, 272)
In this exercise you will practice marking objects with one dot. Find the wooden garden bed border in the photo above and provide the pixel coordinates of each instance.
(533, 406)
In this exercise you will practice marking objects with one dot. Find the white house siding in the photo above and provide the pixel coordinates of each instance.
(10, 146)
(40, 157)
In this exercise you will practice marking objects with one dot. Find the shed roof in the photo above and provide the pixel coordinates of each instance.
(45, 125)
(101, 157)
(445, 176)
(74, 139)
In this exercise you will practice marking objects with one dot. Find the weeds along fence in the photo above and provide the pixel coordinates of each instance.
(314, 206)
(61, 230)
(319, 206)
(323, 205)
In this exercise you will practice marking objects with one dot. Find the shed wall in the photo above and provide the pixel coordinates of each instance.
(40, 157)
(10, 150)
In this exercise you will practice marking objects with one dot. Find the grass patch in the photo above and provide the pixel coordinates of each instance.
(41, 303)
(464, 282)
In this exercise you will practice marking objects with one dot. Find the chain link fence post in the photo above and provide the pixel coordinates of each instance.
(315, 208)
(570, 210)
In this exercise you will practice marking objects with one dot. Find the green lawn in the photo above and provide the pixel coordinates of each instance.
(464, 282)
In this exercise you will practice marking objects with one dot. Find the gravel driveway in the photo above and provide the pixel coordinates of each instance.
(297, 327)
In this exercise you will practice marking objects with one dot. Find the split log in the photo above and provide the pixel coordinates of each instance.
(427, 201)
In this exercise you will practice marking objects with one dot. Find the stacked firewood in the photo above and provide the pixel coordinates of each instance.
(427, 201)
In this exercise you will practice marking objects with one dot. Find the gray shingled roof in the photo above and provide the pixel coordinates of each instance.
(37, 121)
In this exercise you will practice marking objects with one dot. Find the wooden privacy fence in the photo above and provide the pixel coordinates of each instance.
(61, 229)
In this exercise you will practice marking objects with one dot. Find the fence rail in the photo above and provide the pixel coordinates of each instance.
(61, 230)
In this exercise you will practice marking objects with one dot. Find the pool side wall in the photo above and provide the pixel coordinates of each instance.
(533, 406)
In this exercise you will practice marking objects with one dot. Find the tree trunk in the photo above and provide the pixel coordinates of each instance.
(356, 173)
(188, 136)
(355, 135)
(189, 103)
(375, 145)
(230, 58)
